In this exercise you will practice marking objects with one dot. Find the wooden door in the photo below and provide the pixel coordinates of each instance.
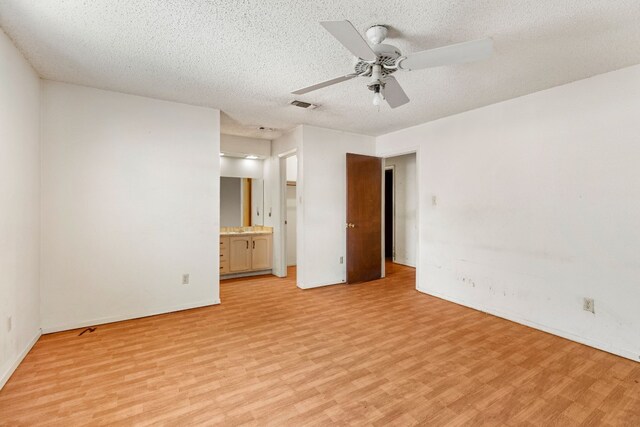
(364, 218)
(239, 254)
(261, 252)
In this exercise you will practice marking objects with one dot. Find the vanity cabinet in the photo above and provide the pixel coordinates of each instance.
(239, 254)
(224, 255)
(261, 252)
(245, 253)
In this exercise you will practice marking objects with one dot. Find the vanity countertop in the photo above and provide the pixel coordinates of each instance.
(243, 233)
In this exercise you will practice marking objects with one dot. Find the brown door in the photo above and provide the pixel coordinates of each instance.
(364, 218)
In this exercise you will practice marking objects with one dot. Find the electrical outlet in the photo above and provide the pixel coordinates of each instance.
(341, 260)
(9, 323)
(588, 305)
(185, 279)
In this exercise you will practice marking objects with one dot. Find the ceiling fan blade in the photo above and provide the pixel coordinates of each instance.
(453, 54)
(324, 84)
(393, 93)
(346, 34)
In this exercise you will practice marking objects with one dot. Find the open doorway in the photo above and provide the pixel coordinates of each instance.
(286, 256)
(388, 213)
(291, 163)
(400, 211)
(246, 242)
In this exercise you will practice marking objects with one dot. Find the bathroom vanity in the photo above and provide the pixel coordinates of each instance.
(246, 244)
(246, 251)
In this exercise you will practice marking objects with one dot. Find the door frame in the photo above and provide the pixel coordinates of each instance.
(401, 152)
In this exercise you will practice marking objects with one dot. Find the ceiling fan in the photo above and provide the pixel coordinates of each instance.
(378, 60)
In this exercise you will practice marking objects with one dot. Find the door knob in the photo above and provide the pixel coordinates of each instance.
(350, 225)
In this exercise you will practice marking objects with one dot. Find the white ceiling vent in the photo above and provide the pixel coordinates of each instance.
(303, 104)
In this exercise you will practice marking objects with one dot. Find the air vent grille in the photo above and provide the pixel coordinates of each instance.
(303, 104)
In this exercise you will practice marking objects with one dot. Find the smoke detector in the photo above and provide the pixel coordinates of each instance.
(303, 104)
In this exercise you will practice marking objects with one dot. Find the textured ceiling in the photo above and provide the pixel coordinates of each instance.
(245, 56)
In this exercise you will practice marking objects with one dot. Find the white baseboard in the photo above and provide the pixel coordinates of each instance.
(249, 274)
(6, 375)
(130, 316)
(403, 261)
(320, 285)
(628, 354)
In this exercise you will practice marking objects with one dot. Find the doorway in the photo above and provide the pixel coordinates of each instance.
(287, 219)
(291, 165)
(400, 210)
(388, 212)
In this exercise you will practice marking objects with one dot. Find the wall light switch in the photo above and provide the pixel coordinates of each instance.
(589, 305)
(185, 279)
(9, 323)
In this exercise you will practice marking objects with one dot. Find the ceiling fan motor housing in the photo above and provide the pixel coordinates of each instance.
(387, 56)
(376, 34)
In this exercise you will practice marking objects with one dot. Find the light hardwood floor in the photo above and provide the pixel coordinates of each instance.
(378, 353)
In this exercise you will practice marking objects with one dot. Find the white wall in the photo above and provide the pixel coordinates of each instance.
(257, 201)
(405, 225)
(243, 146)
(241, 168)
(19, 207)
(130, 202)
(292, 168)
(230, 202)
(291, 224)
(527, 206)
(322, 183)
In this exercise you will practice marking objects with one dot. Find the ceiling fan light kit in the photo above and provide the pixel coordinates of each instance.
(377, 96)
(378, 61)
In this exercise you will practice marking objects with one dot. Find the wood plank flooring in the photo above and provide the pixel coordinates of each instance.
(377, 353)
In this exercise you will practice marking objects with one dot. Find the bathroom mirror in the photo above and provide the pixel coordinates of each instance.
(241, 202)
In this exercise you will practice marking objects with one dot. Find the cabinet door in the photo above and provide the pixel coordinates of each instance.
(224, 243)
(239, 254)
(224, 267)
(261, 256)
(224, 255)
